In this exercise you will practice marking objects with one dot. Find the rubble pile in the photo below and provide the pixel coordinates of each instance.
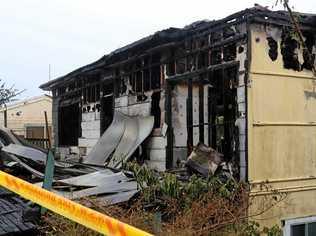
(126, 184)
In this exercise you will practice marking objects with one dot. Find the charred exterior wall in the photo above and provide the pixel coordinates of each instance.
(139, 91)
(207, 93)
(193, 86)
(242, 85)
(281, 121)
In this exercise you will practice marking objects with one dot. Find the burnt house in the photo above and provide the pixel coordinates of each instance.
(243, 85)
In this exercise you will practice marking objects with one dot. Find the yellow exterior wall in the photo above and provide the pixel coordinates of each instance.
(31, 113)
(281, 131)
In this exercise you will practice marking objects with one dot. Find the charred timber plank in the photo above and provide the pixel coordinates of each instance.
(278, 22)
(201, 110)
(168, 120)
(190, 116)
(191, 75)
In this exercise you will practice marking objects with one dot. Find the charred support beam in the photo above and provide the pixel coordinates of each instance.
(168, 120)
(146, 53)
(243, 161)
(278, 22)
(227, 117)
(116, 84)
(209, 112)
(201, 110)
(212, 103)
(190, 116)
(188, 75)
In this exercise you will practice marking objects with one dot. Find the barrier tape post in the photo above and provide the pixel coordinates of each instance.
(69, 209)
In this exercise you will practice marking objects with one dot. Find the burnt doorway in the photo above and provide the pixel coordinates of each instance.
(69, 125)
(223, 111)
(107, 111)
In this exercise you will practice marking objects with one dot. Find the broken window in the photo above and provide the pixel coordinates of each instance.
(93, 94)
(180, 65)
(273, 48)
(229, 52)
(61, 90)
(308, 55)
(140, 76)
(155, 77)
(289, 51)
(170, 68)
(223, 111)
(155, 59)
(202, 59)
(69, 125)
(147, 84)
(97, 93)
(132, 82)
(216, 57)
(55, 93)
(107, 88)
(139, 82)
(215, 37)
(88, 94)
(191, 63)
(121, 85)
(188, 44)
(107, 111)
(202, 42)
(155, 109)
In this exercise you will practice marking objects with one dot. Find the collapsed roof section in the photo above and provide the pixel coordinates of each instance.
(170, 37)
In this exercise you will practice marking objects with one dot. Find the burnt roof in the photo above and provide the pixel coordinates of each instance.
(256, 14)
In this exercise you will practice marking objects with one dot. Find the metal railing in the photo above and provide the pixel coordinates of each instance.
(40, 142)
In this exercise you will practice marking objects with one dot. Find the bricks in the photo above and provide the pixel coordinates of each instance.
(88, 116)
(91, 134)
(86, 142)
(90, 125)
(157, 143)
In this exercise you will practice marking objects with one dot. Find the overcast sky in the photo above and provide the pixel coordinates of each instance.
(68, 34)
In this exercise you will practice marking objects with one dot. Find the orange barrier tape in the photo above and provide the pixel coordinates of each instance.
(69, 209)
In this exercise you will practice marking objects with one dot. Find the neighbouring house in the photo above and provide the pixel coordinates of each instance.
(26, 118)
(242, 85)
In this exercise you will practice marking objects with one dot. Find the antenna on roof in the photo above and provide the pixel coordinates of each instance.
(49, 72)
(49, 78)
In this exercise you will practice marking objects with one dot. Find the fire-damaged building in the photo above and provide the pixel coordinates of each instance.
(243, 85)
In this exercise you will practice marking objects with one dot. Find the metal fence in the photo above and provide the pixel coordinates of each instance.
(40, 142)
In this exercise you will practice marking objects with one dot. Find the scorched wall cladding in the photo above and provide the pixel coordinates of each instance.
(281, 121)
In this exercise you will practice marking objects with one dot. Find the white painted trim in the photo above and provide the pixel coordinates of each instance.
(296, 221)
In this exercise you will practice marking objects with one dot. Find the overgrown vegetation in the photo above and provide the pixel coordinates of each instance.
(168, 206)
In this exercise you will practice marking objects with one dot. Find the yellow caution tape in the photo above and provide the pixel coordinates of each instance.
(69, 209)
